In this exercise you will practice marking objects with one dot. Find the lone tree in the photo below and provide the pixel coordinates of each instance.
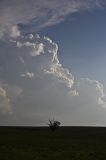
(53, 125)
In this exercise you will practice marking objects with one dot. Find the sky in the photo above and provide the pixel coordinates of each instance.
(52, 62)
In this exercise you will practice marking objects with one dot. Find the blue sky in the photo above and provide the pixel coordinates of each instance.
(52, 62)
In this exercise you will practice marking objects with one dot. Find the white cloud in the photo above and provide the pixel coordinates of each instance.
(14, 32)
(5, 107)
(27, 75)
(37, 49)
(93, 90)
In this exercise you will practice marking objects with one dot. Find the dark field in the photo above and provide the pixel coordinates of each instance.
(67, 143)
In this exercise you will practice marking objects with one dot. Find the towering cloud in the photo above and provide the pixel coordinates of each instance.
(47, 50)
(39, 87)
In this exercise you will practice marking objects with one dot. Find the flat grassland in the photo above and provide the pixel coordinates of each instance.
(39, 143)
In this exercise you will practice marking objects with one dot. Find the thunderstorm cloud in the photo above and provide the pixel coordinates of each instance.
(34, 85)
(37, 86)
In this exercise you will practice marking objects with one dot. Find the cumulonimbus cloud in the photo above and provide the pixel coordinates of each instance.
(44, 86)
(51, 66)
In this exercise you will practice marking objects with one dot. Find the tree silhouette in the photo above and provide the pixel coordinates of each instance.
(53, 125)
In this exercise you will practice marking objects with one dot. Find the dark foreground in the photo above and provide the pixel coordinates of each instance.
(67, 143)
